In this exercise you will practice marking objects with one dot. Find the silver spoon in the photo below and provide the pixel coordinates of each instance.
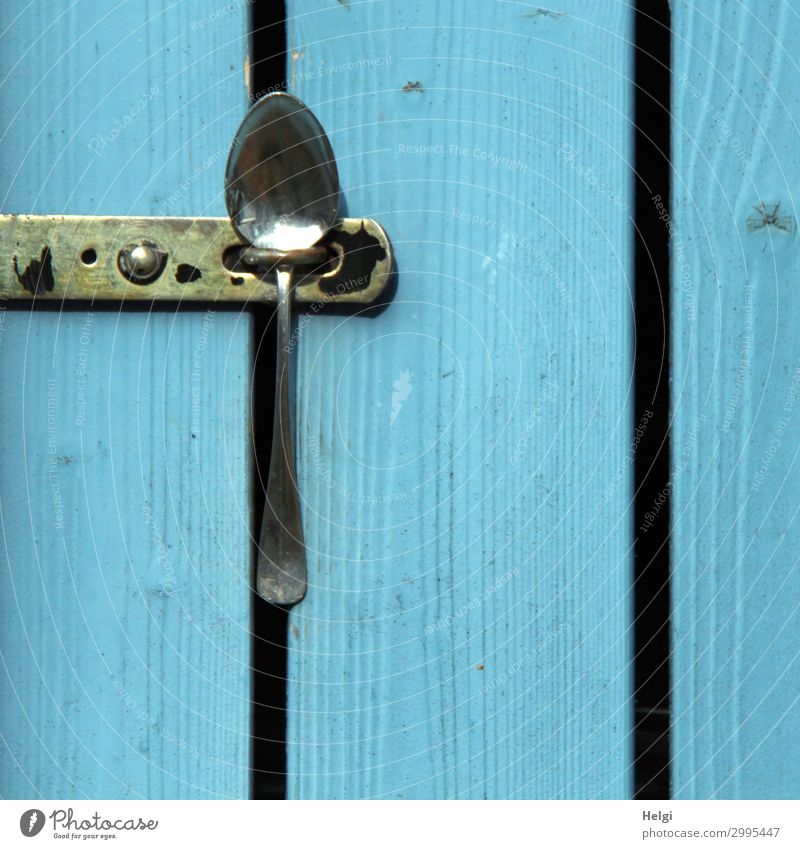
(282, 194)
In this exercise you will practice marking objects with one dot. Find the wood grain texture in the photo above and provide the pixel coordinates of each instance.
(735, 379)
(465, 456)
(124, 514)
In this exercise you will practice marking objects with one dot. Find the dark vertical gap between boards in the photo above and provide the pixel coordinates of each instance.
(652, 407)
(267, 52)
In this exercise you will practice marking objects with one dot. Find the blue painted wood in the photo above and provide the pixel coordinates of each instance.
(735, 383)
(465, 457)
(124, 511)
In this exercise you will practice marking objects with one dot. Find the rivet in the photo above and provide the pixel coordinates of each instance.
(141, 262)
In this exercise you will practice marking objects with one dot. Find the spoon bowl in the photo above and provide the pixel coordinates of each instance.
(281, 182)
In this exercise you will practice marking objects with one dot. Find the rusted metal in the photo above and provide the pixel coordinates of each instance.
(87, 258)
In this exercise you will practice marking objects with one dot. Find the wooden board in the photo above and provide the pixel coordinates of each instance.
(465, 457)
(735, 385)
(124, 489)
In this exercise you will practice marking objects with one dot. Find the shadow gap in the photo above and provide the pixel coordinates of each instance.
(269, 624)
(652, 672)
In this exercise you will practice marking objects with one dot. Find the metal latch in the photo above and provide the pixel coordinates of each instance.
(283, 243)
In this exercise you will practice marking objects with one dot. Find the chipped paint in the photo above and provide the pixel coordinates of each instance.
(248, 77)
(297, 55)
(490, 265)
(413, 86)
(546, 13)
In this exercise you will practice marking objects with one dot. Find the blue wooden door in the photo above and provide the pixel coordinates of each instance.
(124, 493)
(465, 458)
(736, 379)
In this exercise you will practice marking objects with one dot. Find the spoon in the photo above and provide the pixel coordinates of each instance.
(282, 194)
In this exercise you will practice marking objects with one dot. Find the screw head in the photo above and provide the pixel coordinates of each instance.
(141, 262)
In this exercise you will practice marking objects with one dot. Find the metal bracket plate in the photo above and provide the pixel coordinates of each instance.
(77, 257)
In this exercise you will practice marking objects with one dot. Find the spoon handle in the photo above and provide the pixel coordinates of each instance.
(281, 565)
